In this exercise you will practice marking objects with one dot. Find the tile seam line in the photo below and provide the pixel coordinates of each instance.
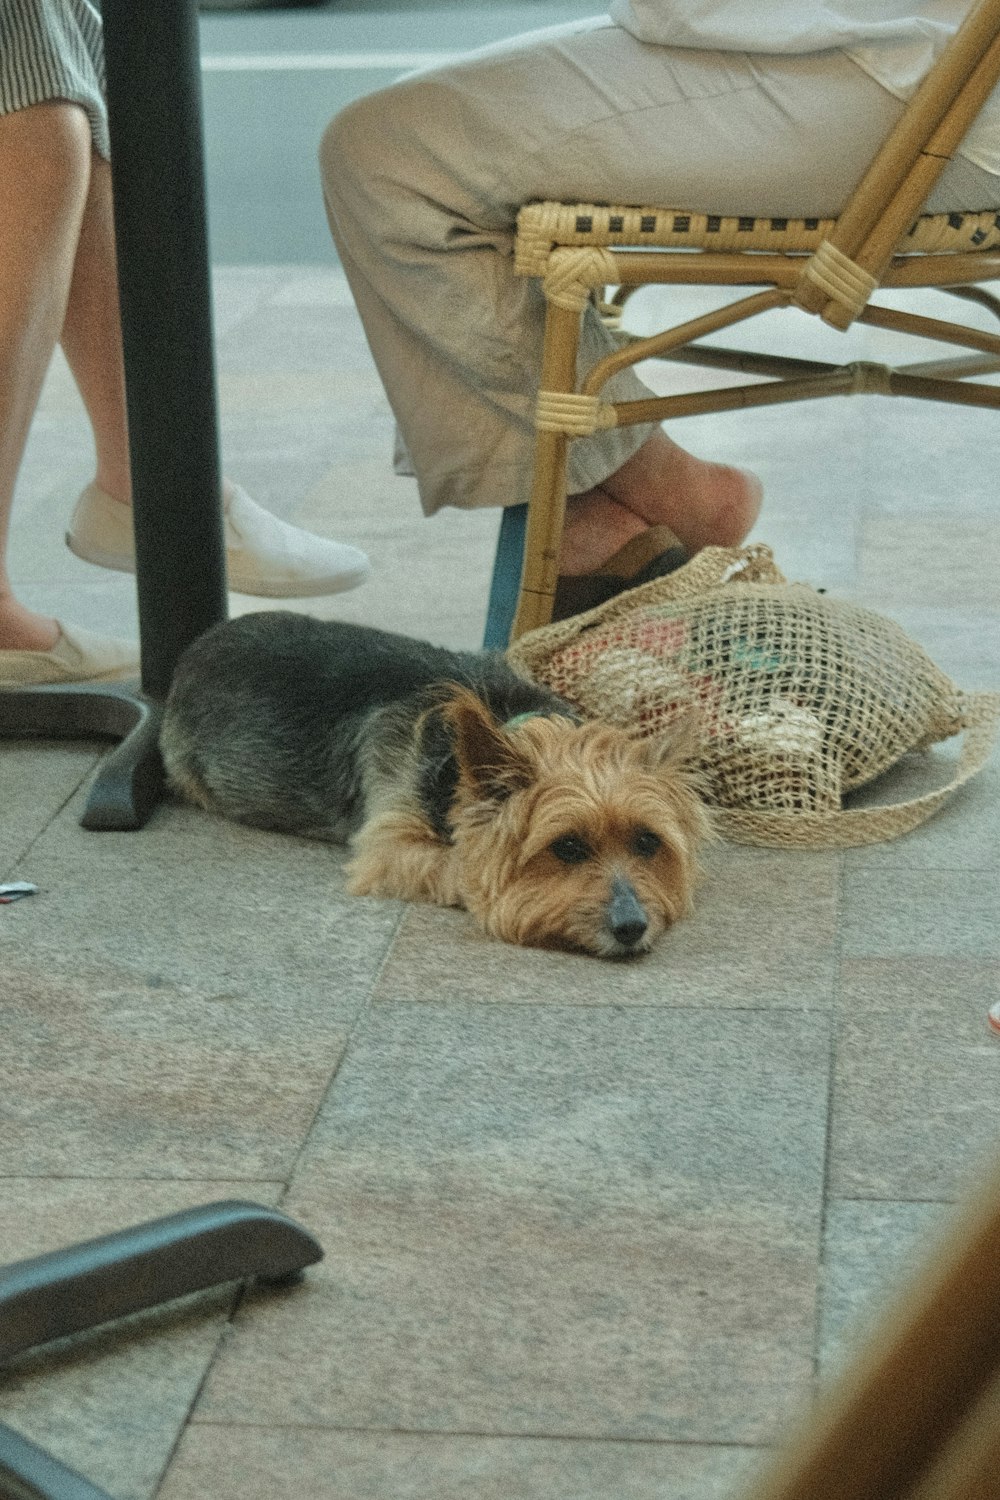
(18, 864)
(363, 1009)
(235, 1302)
(276, 1182)
(827, 1197)
(472, 1432)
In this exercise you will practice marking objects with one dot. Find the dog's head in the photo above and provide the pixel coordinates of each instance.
(570, 835)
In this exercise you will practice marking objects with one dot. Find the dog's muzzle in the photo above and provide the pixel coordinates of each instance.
(627, 919)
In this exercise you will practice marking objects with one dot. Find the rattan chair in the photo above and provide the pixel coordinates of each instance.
(828, 267)
(916, 1416)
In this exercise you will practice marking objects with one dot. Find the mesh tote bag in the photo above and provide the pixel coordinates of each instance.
(796, 699)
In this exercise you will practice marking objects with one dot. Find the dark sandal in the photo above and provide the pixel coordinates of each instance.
(652, 554)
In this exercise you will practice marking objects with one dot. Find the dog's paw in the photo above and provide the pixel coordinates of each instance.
(404, 870)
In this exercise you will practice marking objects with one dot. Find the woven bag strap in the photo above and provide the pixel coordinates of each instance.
(712, 567)
(871, 825)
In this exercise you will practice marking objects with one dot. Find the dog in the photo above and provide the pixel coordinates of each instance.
(453, 779)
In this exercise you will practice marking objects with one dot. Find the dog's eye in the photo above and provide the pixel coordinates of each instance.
(571, 849)
(645, 843)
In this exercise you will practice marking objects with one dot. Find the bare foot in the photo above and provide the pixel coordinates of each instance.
(22, 629)
(704, 504)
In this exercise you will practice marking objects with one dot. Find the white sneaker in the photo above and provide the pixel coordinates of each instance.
(264, 555)
(77, 656)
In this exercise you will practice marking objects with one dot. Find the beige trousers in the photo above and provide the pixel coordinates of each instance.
(423, 182)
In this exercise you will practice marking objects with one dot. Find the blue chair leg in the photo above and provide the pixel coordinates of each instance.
(506, 584)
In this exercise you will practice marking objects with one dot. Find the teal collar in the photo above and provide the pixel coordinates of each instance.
(519, 719)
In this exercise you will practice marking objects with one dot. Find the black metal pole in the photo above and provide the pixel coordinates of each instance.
(154, 107)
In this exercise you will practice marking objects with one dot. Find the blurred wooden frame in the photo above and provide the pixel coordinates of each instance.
(917, 1416)
(826, 267)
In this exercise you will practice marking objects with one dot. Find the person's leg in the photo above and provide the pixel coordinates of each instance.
(264, 555)
(91, 335)
(422, 185)
(703, 504)
(45, 155)
(423, 182)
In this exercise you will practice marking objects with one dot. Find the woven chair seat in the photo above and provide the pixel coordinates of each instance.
(543, 226)
(825, 267)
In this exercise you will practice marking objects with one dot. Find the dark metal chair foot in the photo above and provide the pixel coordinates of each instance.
(100, 1280)
(27, 1472)
(95, 1282)
(129, 781)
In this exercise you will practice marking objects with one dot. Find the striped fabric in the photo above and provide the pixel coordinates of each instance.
(53, 49)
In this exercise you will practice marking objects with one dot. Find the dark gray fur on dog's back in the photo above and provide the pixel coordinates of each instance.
(288, 722)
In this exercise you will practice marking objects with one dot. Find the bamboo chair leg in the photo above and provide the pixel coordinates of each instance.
(547, 508)
(969, 1468)
(874, 255)
(897, 182)
(961, 368)
(957, 392)
(975, 294)
(883, 1429)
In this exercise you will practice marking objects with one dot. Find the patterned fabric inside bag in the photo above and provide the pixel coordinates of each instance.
(795, 698)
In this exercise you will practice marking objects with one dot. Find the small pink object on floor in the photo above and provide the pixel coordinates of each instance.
(993, 1016)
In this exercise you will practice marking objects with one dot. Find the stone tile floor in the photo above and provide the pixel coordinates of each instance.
(590, 1230)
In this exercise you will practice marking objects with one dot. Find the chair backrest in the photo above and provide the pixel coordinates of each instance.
(896, 185)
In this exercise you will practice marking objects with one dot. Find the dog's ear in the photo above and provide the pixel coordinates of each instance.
(488, 759)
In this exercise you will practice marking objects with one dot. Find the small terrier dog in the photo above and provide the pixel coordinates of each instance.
(453, 779)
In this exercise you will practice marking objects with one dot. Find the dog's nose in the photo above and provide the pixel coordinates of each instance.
(630, 934)
(626, 915)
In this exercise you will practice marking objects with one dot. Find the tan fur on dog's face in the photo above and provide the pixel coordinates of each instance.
(572, 836)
